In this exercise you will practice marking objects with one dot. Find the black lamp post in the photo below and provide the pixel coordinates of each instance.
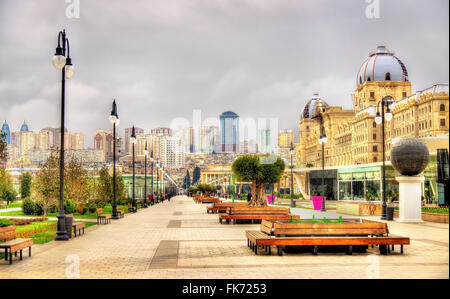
(151, 165)
(133, 142)
(291, 151)
(380, 119)
(114, 119)
(322, 140)
(157, 181)
(63, 63)
(145, 174)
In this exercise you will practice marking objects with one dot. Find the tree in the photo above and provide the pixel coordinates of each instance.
(206, 189)
(76, 181)
(7, 192)
(25, 185)
(104, 185)
(45, 186)
(187, 180)
(248, 168)
(196, 175)
(3, 149)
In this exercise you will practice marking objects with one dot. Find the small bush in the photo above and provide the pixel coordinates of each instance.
(91, 207)
(69, 206)
(39, 210)
(82, 209)
(5, 222)
(28, 206)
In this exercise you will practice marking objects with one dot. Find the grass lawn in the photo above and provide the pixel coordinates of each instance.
(107, 210)
(42, 235)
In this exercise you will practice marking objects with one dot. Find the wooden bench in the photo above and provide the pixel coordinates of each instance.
(12, 243)
(77, 226)
(221, 207)
(102, 217)
(257, 214)
(208, 200)
(131, 208)
(350, 233)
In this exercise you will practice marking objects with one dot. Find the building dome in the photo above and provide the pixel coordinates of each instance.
(24, 127)
(5, 129)
(310, 107)
(382, 65)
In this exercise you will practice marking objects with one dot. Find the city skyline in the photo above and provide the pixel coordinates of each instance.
(281, 65)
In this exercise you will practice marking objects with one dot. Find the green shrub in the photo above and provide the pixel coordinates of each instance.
(69, 206)
(28, 206)
(91, 207)
(38, 210)
(5, 222)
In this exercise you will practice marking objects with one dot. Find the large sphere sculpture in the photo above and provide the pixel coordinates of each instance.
(409, 156)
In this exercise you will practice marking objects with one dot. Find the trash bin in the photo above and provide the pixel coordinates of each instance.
(390, 213)
(68, 225)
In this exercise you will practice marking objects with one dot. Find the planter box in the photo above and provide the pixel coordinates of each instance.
(430, 217)
(435, 217)
(317, 202)
(358, 208)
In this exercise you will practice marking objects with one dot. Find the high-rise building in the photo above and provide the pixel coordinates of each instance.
(24, 127)
(5, 129)
(161, 131)
(172, 153)
(207, 136)
(187, 135)
(104, 141)
(128, 136)
(229, 132)
(285, 138)
(264, 141)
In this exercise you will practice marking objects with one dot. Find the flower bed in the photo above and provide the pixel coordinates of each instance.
(17, 221)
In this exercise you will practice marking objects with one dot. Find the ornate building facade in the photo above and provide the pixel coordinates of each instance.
(354, 138)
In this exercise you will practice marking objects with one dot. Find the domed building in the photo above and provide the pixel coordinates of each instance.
(311, 106)
(353, 154)
(5, 129)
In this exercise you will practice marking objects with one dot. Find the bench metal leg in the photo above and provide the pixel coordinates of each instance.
(20, 254)
(315, 249)
(401, 249)
(349, 250)
(383, 249)
(10, 257)
(6, 254)
(280, 250)
(270, 250)
(29, 251)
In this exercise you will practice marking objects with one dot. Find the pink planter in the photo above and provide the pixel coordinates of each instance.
(317, 202)
(270, 200)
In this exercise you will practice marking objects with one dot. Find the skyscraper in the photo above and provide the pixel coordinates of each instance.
(5, 129)
(285, 138)
(264, 141)
(207, 136)
(172, 152)
(24, 127)
(187, 135)
(229, 132)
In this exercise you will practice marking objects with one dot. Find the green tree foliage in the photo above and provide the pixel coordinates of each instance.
(196, 175)
(7, 192)
(45, 186)
(76, 182)
(3, 145)
(206, 189)
(248, 168)
(187, 180)
(25, 185)
(104, 186)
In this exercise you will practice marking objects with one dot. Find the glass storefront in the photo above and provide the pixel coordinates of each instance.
(330, 183)
(364, 183)
(139, 186)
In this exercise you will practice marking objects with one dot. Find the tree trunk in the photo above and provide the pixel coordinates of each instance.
(258, 199)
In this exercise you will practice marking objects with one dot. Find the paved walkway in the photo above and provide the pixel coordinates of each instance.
(178, 239)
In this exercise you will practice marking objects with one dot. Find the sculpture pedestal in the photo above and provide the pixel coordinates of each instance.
(410, 198)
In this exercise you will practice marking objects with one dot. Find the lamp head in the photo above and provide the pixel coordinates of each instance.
(59, 60)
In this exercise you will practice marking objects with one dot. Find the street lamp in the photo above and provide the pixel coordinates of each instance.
(133, 142)
(151, 165)
(322, 140)
(292, 151)
(380, 119)
(157, 180)
(145, 174)
(115, 121)
(63, 63)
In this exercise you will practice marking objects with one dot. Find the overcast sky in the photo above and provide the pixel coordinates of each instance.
(163, 58)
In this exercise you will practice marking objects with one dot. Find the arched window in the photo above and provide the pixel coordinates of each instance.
(388, 77)
(442, 107)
